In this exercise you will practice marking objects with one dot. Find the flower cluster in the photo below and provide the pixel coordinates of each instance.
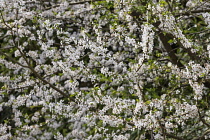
(110, 69)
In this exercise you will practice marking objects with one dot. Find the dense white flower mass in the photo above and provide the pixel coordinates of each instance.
(104, 69)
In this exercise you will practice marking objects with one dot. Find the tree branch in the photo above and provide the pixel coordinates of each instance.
(202, 136)
(28, 64)
(192, 12)
(82, 2)
(167, 134)
(37, 75)
(46, 82)
(170, 51)
(202, 120)
(13, 60)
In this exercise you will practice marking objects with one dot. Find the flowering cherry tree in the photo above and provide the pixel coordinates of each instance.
(104, 69)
